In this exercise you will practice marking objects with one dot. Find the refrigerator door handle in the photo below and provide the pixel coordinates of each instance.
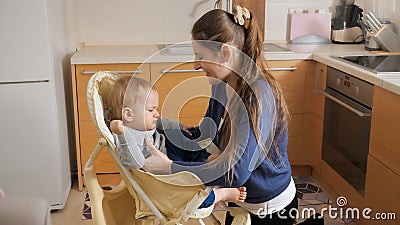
(24, 82)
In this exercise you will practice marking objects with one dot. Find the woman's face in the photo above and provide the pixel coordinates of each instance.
(214, 64)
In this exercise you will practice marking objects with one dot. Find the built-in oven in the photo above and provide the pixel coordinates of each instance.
(347, 120)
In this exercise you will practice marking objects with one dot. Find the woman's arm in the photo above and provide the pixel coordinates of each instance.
(165, 123)
(158, 163)
(218, 174)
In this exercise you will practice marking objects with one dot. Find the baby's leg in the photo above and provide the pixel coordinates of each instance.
(230, 194)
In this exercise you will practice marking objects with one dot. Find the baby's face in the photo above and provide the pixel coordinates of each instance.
(146, 114)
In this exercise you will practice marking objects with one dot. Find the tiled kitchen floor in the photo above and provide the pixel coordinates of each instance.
(311, 199)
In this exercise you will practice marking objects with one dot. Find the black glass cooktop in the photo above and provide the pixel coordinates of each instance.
(376, 64)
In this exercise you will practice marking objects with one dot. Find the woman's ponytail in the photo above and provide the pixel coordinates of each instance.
(253, 45)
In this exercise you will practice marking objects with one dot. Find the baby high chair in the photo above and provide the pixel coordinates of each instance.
(141, 197)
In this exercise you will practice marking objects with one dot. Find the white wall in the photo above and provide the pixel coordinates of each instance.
(276, 15)
(137, 21)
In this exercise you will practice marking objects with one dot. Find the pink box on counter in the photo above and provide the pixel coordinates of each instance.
(310, 22)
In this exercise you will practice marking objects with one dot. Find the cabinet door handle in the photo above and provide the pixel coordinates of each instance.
(293, 68)
(317, 77)
(180, 71)
(85, 72)
(191, 71)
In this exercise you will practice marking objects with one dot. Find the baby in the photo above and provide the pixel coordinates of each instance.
(134, 103)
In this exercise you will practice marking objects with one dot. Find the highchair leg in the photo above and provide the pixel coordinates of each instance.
(100, 144)
(94, 189)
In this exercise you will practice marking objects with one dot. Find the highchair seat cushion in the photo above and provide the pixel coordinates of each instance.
(182, 178)
(177, 190)
(24, 211)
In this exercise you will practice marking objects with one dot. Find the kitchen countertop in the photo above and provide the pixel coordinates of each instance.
(109, 54)
(95, 54)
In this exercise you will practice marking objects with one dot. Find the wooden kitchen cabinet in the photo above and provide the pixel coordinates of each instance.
(382, 193)
(86, 135)
(382, 188)
(316, 79)
(314, 114)
(184, 92)
(385, 122)
(292, 77)
(184, 95)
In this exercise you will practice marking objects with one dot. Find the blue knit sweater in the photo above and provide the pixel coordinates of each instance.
(262, 179)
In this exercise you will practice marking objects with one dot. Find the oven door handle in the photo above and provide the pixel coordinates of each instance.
(355, 111)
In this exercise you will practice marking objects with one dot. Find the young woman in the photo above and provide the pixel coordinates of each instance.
(246, 118)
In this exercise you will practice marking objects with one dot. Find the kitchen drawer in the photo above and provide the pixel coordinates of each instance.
(292, 76)
(385, 123)
(184, 93)
(190, 113)
(315, 102)
(89, 137)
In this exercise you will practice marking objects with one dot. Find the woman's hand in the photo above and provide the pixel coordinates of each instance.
(158, 162)
(117, 127)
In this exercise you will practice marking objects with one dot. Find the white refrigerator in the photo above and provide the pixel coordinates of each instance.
(34, 159)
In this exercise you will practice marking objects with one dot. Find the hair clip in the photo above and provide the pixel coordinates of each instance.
(240, 14)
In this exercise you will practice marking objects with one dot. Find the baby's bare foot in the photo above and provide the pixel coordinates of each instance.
(242, 194)
(230, 194)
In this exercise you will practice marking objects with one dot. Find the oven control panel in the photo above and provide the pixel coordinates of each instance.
(347, 84)
(350, 86)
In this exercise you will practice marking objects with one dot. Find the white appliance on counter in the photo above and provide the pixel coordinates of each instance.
(34, 159)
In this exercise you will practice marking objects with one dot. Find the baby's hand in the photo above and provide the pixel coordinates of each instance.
(117, 127)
